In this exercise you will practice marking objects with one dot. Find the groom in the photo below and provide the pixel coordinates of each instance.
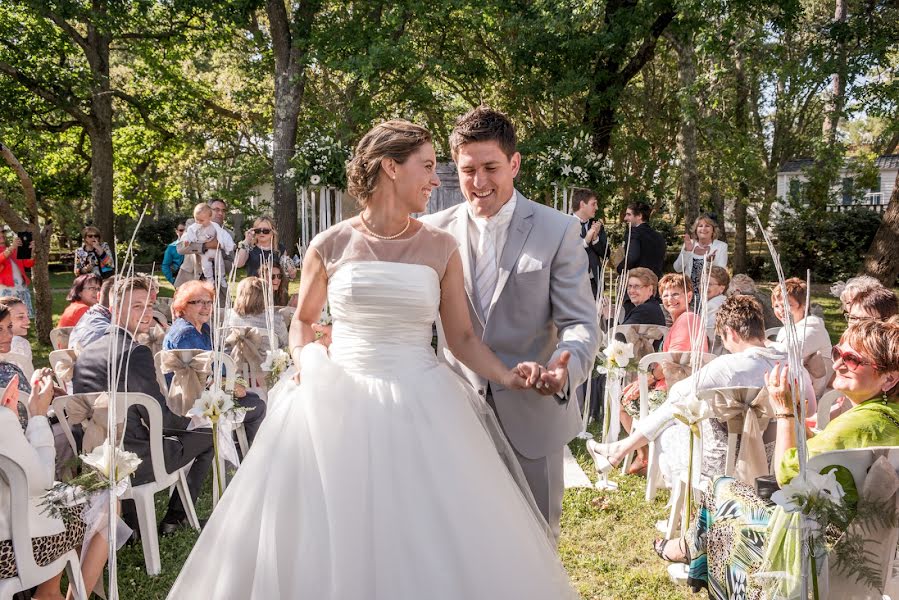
(529, 299)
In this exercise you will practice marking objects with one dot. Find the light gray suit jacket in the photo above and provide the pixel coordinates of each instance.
(542, 306)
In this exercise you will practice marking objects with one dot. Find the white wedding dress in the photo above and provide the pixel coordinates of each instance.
(379, 476)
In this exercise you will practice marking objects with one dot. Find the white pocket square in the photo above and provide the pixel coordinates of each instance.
(526, 264)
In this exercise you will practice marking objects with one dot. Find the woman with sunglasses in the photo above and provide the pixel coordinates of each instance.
(280, 291)
(733, 519)
(261, 246)
(94, 255)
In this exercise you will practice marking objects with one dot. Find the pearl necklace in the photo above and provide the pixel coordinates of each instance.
(384, 237)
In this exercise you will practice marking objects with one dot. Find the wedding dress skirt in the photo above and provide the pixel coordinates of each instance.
(376, 478)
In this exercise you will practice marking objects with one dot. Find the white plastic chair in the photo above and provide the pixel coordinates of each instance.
(286, 313)
(653, 473)
(825, 403)
(59, 337)
(20, 360)
(771, 333)
(30, 573)
(252, 374)
(61, 362)
(164, 306)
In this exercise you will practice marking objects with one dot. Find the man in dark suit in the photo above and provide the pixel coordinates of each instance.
(132, 314)
(647, 246)
(584, 205)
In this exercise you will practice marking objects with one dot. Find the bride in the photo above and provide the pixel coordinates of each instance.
(382, 475)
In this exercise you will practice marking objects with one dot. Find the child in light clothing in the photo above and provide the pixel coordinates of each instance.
(204, 230)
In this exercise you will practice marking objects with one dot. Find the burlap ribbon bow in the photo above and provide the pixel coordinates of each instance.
(64, 367)
(91, 413)
(643, 338)
(153, 338)
(815, 365)
(190, 369)
(246, 344)
(746, 411)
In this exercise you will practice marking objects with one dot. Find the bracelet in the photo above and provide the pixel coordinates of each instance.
(784, 415)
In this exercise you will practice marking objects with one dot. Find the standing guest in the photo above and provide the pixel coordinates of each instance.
(192, 308)
(132, 314)
(172, 259)
(13, 275)
(190, 270)
(20, 325)
(93, 256)
(249, 310)
(744, 284)
(93, 324)
(812, 332)
(85, 292)
(646, 247)
(260, 245)
(279, 286)
(719, 279)
(584, 206)
(202, 231)
(701, 247)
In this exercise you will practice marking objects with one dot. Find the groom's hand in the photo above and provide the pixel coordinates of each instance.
(530, 372)
(553, 379)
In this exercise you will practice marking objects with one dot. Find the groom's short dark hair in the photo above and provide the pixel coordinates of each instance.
(483, 124)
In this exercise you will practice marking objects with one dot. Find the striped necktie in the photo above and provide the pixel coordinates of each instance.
(486, 273)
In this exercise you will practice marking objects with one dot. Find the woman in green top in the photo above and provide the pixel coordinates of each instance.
(726, 546)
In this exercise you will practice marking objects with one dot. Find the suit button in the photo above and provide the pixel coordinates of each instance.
(482, 393)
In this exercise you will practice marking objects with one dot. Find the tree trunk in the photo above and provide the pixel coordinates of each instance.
(100, 129)
(741, 121)
(40, 274)
(717, 201)
(838, 86)
(882, 260)
(686, 137)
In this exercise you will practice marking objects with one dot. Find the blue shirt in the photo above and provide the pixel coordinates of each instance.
(171, 262)
(91, 326)
(182, 335)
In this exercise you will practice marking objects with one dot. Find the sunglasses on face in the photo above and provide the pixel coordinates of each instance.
(92, 235)
(263, 230)
(180, 230)
(200, 302)
(277, 276)
(852, 360)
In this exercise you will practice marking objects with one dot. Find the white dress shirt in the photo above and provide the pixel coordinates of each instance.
(501, 219)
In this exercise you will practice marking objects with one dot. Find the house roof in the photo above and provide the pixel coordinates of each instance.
(887, 161)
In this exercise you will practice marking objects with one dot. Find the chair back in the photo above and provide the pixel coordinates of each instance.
(91, 412)
(732, 418)
(247, 346)
(59, 337)
(286, 313)
(683, 359)
(825, 404)
(771, 333)
(203, 356)
(153, 338)
(643, 337)
(19, 504)
(856, 460)
(190, 371)
(63, 364)
(164, 307)
(20, 360)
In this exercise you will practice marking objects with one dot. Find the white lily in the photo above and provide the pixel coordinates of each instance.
(795, 496)
(274, 360)
(211, 404)
(619, 354)
(691, 410)
(106, 457)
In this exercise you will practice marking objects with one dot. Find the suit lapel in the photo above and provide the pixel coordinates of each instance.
(459, 230)
(519, 228)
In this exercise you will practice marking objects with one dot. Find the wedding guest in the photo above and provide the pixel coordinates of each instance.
(192, 308)
(93, 324)
(742, 332)
(701, 248)
(719, 279)
(20, 323)
(14, 279)
(172, 259)
(645, 247)
(94, 257)
(855, 286)
(872, 303)
(249, 310)
(584, 206)
(279, 285)
(10, 370)
(646, 308)
(132, 312)
(744, 284)
(812, 332)
(30, 445)
(733, 518)
(261, 246)
(192, 269)
(84, 293)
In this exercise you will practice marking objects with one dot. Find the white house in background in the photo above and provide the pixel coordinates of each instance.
(791, 175)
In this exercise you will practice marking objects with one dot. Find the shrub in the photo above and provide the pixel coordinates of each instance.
(831, 244)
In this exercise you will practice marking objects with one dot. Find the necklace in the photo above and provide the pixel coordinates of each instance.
(384, 237)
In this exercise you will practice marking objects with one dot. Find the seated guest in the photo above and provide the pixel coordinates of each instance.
(192, 308)
(743, 335)
(733, 518)
(94, 323)
(873, 303)
(701, 249)
(811, 331)
(84, 293)
(279, 285)
(9, 370)
(677, 295)
(18, 312)
(719, 279)
(645, 307)
(31, 446)
(132, 314)
(249, 310)
(743, 284)
(853, 287)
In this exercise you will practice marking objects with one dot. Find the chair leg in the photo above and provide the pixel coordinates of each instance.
(146, 519)
(73, 571)
(186, 501)
(678, 497)
(652, 472)
(242, 440)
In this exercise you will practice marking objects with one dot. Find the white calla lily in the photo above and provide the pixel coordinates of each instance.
(808, 487)
(105, 457)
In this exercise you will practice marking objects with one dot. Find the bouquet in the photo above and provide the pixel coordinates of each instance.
(617, 358)
(217, 409)
(276, 362)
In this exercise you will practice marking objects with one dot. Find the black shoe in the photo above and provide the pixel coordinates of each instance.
(171, 527)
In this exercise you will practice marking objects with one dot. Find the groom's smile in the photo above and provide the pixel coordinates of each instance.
(486, 175)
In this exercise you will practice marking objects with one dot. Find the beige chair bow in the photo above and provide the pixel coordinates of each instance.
(190, 370)
(63, 364)
(92, 414)
(747, 412)
(642, 337)
(815, 365)
(247, 346)
(153, 338)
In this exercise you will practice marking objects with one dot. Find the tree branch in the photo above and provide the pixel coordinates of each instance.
(143, 111)
(54, 97)
(647, 48)
(7, 212)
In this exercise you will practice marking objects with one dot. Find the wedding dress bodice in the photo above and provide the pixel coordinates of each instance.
(382, 314)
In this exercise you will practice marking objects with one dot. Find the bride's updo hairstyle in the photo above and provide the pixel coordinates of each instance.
(396, 139)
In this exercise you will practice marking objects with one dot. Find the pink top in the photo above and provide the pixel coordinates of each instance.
(680, 336)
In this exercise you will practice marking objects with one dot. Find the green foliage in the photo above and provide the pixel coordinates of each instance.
(831, 244)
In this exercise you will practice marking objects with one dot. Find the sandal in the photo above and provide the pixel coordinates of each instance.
(601, 463)
(661, 547)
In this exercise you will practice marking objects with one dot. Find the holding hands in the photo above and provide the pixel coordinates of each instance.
(548, 380)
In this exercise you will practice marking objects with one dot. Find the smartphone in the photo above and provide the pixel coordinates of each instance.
(24, 252)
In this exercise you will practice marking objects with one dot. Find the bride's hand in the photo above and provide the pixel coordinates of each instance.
(529, 371)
